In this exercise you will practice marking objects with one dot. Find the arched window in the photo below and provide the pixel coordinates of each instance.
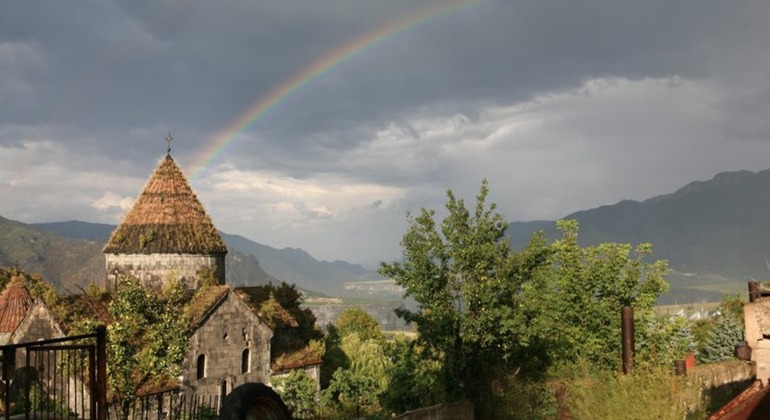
(245, 361)
(200, 367)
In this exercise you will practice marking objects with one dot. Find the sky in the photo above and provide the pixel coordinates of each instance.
(319, 124)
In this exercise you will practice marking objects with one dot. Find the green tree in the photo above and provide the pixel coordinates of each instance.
(352, 394)
(663, 339)
(573, 300)
(484, 310)
(334, 357)
(298, 391)
(147, 337)
(356, 320)
(461, 274)
(412, 377)
(725, 335)
(364, 373)
(367, 358)
(37, 287)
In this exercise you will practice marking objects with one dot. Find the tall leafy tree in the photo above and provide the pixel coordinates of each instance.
(461, 273)
(573, 300)
(351, 394)
(356, 320)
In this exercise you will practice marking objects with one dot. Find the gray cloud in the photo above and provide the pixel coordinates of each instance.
(547, 99)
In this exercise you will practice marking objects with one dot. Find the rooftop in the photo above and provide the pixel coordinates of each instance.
(166, 218)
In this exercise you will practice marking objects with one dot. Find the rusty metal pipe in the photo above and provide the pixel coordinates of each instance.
(627, 337)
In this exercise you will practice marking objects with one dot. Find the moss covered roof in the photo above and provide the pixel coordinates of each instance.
(166, 218)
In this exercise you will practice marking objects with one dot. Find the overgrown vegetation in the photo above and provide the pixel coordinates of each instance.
(148, 331)
(528, 334)
(490, 319)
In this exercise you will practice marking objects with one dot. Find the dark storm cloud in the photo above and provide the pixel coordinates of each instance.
(201, 63)
(510, 90)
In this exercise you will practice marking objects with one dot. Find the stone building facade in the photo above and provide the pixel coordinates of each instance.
(229, 347)
(37, 325)
(153, 269)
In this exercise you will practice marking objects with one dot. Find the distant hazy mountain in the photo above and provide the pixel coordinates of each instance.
(294, 265)
(248, 262)
(719, 227)
(69, 254)
(63, 262)
(715, 234)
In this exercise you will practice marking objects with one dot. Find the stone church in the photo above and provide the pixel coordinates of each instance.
(167, 234)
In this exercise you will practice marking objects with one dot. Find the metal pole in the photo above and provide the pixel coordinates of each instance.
(680, 367)
(753, 291)
(627, 335)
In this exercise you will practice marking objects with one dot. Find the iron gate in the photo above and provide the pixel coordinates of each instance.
(56, 379)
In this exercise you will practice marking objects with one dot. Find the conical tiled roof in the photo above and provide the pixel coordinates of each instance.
(15, 302)
(166, 218)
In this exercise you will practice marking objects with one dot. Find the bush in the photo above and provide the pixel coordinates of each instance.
(298, 391)
(645, 394)
(720, 345)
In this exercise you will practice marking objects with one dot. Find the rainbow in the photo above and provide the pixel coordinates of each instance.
(319, 67)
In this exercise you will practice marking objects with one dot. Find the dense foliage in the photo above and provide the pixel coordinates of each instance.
(484, 310)
(298, 391)
(573, 300)
(462, 275)
(148, 335)
(358, 365)
(720, 344)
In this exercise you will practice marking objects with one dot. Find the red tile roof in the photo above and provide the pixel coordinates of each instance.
(15, 302)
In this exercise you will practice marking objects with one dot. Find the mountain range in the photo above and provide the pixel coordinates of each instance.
(248, 262)
(715, 235)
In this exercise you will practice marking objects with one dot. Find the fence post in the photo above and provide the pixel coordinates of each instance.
(101, 370)
(627, 337)
(9, 365)
(754, 292)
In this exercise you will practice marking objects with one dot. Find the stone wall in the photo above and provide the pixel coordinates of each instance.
(720, 382)
(154, 269)
(229, 330)
(717, 374)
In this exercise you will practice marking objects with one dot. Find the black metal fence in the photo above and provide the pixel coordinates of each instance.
(175, 404)
(55, 379)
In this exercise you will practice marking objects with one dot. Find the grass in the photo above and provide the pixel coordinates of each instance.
(645, 394)
(598, 395)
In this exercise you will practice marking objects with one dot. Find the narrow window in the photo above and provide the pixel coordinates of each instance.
(200, 371)
(245, 361)
(222, 392)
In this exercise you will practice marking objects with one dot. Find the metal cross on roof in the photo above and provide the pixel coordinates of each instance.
(169, 137)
